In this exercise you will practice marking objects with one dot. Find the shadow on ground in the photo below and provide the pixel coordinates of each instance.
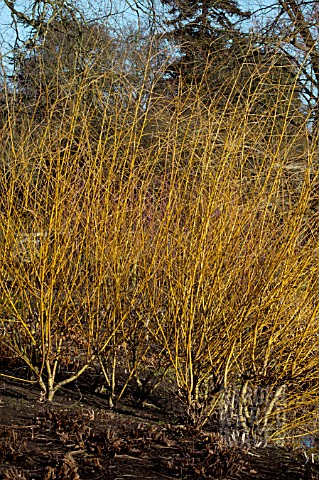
(77, 438)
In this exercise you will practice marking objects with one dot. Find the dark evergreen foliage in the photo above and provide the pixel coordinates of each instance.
(203, 28)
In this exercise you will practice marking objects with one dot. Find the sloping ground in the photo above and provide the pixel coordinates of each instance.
(75, 438)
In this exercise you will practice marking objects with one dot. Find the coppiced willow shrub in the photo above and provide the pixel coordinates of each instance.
(65, 240)
(175, 239)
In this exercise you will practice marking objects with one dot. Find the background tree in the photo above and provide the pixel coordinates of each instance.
(67, 53)
(294, 29)
(200, 28)
(229, 67)
(216, 48)
(35, 17)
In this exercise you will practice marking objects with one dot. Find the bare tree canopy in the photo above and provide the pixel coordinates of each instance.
(294, 29)
(39, 15)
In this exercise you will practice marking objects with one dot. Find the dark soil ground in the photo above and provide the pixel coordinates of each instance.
(77, 437)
